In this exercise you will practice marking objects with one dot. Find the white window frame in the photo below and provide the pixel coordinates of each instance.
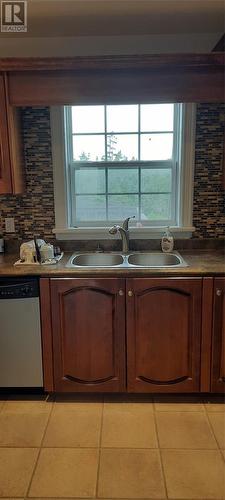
(185, 180)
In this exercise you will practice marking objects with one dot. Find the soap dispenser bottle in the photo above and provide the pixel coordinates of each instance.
(167, 242)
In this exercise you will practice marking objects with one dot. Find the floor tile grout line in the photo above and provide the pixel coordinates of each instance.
(3, 405)
(109, 448)
(160, 454)
(38, 455)
(99, 451)
(212, 430)
(109, 498)
(48, 419)
(24, 401)
(211, 412)
(177, 403)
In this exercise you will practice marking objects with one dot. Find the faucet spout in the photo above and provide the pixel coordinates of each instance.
(124, 233)
(124, 236)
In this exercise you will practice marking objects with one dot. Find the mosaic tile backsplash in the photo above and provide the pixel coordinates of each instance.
(34, 211)
(209, 195)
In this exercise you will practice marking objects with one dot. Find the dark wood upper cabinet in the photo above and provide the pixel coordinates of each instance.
(164, 334)
(218, 347)
(11, 172)
(5, 168)
(88, 329)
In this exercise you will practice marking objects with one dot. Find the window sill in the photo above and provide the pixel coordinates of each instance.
(101, 233)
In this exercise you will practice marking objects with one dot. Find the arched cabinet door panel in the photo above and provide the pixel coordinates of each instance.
(218, 342)
(88, 334)
(163, 334)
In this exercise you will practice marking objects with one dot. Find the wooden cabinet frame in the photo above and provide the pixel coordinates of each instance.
(206, 342)
(46, 326)
(209, 316)
(5, 167)
(218, 338)
(11, 149)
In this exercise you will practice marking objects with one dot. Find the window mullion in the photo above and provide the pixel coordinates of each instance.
(139, 157)
(107, 189)
(174, 190)
(106, 169)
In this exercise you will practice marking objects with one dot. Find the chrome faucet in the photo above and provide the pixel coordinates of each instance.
(124, 233)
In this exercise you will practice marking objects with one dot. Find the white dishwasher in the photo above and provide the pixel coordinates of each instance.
(20, 333)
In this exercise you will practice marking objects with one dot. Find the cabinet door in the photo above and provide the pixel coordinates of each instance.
(88, 325)
(218, 342)
(5, 173)
(163, 334)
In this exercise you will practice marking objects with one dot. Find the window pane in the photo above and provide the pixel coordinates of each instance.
(156, 146)
(122, 206)
(157, 180)
(122, 147)
(122, 118)
(123, 180)
(88, 147)
(88, 119)
(90, 180)
(90, 208)
(156, 117)
(156, 206)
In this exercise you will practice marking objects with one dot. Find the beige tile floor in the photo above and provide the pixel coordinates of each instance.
(112, 448)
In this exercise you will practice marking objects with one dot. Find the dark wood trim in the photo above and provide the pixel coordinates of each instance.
(115, 79)
(220, 46)
(11, 150)
(223, 160)
(15, 144)
(114, 87)
(5, 165)
(207, 313)
(46, 331)
(218, 378)
(146, 61)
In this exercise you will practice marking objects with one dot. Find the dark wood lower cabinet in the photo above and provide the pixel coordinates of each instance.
(156, 335)
(88, 330)
(218, 340)
(163, 334)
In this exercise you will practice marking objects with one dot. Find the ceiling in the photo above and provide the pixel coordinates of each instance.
(76, 18)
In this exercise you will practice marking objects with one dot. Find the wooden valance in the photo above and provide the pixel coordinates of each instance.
(115, 79)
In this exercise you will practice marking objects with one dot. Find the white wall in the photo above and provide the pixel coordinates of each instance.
(102, 45)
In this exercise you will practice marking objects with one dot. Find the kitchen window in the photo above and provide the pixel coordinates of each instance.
(120, 161)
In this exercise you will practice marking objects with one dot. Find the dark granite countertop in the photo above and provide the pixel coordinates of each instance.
(200, 263)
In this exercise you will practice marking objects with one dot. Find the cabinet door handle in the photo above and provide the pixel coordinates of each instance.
(121, 293)
(218, 292)
(130, 293)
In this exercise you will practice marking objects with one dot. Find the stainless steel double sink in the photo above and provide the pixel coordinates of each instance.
(131, 260)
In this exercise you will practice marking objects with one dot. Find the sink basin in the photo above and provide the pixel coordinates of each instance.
(137, 259)
(155, 260)
(97, 260)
